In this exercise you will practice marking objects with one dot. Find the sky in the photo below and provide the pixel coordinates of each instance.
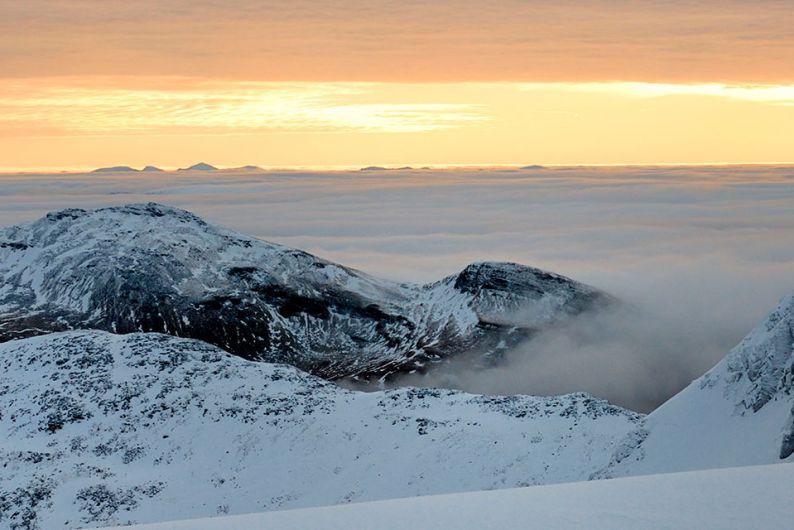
(699, 254)
(89, 83)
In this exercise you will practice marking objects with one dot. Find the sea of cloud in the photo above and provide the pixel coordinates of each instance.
(702, 253)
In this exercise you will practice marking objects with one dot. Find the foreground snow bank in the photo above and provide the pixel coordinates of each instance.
(740, 498)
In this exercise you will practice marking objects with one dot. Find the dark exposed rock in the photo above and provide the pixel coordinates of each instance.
(787, 445)
(153, 268)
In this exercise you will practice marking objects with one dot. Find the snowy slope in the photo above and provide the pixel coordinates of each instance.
(148, 267)
(725, 499)
(739, 413)
(104, 429)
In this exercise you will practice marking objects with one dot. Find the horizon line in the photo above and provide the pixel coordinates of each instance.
(387, 167)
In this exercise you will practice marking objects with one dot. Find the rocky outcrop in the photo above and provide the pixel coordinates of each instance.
(152, 268)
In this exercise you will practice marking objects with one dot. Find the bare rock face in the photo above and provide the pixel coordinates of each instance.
(153, 268)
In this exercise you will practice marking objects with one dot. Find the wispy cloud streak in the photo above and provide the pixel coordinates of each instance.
(238, 107)
(774, 94)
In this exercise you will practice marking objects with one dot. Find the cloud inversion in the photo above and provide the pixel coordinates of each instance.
(701, 253)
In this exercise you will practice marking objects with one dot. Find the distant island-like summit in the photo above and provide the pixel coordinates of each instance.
(127, 169)
(201, 166)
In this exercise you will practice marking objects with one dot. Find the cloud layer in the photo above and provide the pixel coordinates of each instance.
(702, 253)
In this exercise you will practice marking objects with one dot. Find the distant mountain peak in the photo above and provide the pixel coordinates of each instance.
(152, 169)
(201, 166)
(116, 169)
(382, 168)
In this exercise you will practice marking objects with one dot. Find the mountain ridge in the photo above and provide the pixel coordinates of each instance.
(102, 428)
(109, 429)
(105, 429)
(149, 267)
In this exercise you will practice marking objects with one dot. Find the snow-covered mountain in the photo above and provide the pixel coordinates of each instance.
(108, 428)
(104, 429)
(739, 413)
(147, 267)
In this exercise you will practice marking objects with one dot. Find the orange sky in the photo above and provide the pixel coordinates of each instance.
(86, 83)
(416, 41)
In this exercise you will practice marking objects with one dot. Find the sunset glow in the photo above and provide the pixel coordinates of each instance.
(77, 123)
(264, 256)
(355, 83)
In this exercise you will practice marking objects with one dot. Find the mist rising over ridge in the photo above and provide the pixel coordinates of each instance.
(703, 251)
